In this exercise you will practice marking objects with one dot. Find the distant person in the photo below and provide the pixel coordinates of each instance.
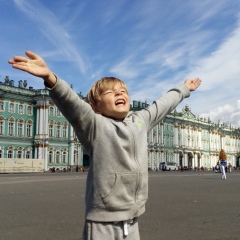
(229, 167)
(223, 165)
(116, 140)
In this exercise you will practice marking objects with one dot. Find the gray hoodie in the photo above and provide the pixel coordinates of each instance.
(117, 182)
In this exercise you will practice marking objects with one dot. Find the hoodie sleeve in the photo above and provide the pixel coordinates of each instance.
(76, 110)
(164, 105)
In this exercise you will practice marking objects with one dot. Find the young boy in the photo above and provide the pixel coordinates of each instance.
(116, 141)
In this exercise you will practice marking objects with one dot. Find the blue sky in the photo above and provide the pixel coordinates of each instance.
(152, 45)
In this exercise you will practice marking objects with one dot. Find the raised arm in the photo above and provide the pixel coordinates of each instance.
(34, 65)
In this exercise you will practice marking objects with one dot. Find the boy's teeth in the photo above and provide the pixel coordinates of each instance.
(120, 102)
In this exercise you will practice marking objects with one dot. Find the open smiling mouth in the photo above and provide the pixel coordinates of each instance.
(120, 102)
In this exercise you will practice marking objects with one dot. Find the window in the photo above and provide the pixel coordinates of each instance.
(10, 154)
(29, 128)
(57, 157)
(29, 110)
(1, 106)
(58, 128)
(28, 154)
(51, 111)
(50, 157)
(58, 112)
(50, 130)
(64, 157)
(19, 154)
(1, 153)
(1, 127)
(64, 130)
(10, 127)
(20, 109)
(11, 108)
(20, 128)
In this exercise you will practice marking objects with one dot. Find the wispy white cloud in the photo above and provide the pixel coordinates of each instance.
(125, 70)
(215, 60)
(49, 25)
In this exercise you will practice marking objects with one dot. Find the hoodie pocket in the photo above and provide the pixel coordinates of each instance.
(122, 194)
(142, 192)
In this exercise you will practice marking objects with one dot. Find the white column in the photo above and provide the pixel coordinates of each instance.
(71, 154)
(175, 134)
(161, 127)
(200, 138)
(156, 135)
(45, 159)
(185, 159)
(152, 159)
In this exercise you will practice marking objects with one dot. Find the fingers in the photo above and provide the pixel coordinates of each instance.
(31, 55)
(19, 65)
(19, 62)
(20, 59)
(198, 81)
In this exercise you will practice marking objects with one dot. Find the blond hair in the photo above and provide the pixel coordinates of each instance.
(103, 84)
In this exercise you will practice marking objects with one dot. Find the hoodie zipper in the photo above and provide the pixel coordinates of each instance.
(135, 158)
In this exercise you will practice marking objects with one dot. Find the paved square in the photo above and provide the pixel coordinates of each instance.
(182, 205)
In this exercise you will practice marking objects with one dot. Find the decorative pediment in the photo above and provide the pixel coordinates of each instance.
(186, 113)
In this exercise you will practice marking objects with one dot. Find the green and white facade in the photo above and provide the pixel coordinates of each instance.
(32, 127)
(192, 141)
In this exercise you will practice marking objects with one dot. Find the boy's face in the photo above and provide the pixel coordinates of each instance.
(114, 103)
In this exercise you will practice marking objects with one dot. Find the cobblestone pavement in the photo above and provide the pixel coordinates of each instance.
(182, 205)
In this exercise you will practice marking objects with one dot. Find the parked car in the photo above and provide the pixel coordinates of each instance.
(162, 166)
(168, 166)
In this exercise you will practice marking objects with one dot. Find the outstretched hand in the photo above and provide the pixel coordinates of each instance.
(193, 84)
(34, 65)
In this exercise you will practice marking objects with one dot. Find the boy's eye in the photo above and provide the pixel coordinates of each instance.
(109, 91)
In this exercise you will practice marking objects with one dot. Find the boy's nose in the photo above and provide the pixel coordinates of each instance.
(118, 93)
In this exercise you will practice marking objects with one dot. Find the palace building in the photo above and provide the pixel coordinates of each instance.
(32, 127)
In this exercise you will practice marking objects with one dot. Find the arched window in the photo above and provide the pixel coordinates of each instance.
(64, 157)
(1, 125)
(50, 157)
(58, 113)
(2, 106)
(58, 130)
(29, 110)
(51, 111)
(19, 154)
(28, 154)
(11, 107)
(10, 154)
(11, 126)
(20, 109)
(57, 157)
(64, 130)
(29, 128)
(20, 128)
(50, 130)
